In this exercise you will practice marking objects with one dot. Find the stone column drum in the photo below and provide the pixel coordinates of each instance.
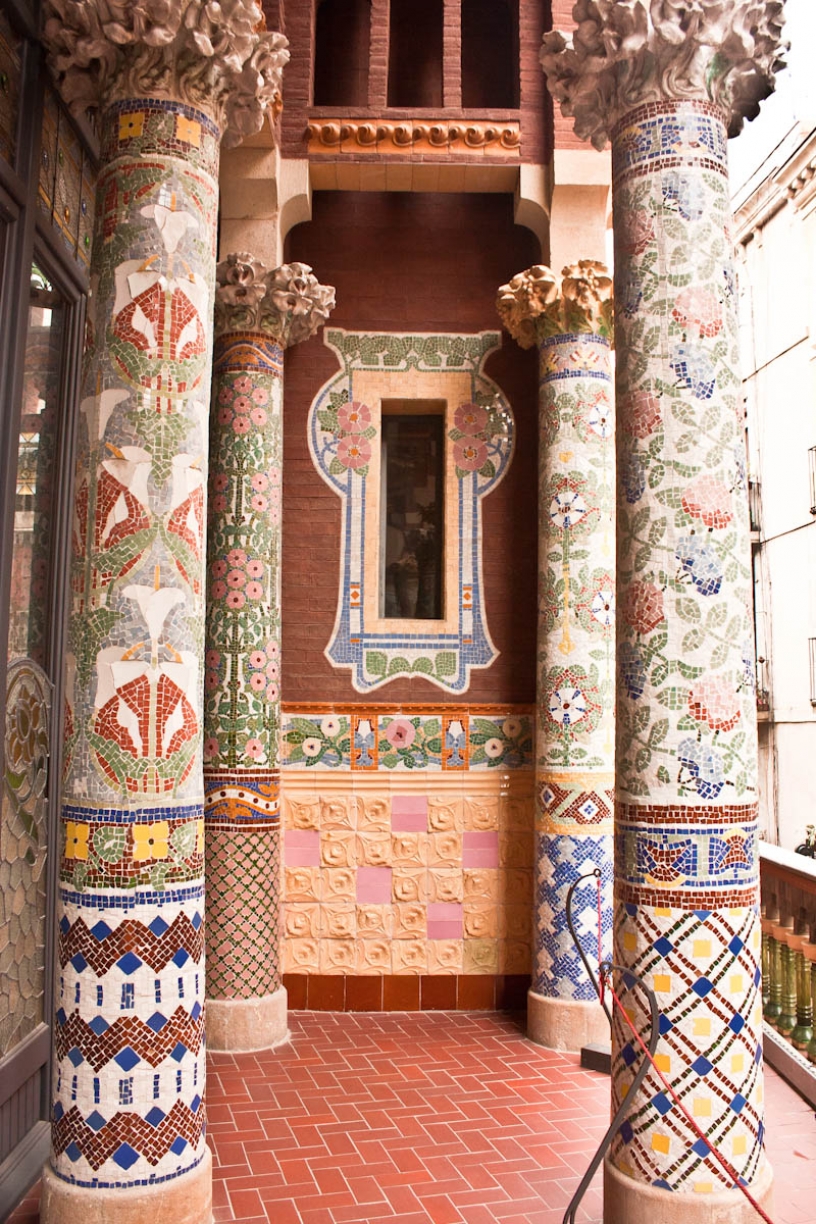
(571, 322)
(257, 314)
(128, 1088)
(665, 82)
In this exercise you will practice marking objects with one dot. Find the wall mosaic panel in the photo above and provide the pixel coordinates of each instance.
(67, 180)
(10, 69)
(345, 441)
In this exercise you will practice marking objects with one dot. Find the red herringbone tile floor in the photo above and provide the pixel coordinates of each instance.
(429, 1118)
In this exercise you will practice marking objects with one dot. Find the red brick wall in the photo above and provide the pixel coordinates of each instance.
(401, 263)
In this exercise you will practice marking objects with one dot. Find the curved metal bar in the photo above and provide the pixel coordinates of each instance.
(596, 875)
(630, 981)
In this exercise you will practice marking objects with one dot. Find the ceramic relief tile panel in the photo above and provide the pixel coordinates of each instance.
(383, 882)
(399, 739)
(345, 439)
(9, 90)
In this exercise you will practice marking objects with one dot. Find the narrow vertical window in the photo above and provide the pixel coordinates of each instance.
(490, 57)
(342, 38)
(415, 53)
(413, 509)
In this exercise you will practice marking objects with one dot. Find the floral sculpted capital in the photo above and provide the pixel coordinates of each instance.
(537, 303)
(627, 52)
(288, 303)
(216, 56)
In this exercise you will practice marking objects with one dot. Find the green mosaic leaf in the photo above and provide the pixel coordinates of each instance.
(424, 666)
(327, 419)
(673, 698)
(446, 663)
(488, 469)
(109, 843)
(658, 732)
(80, 875)
(693, 640)
(687, 609)
(717, 616)
(376, 662)
(158, 875)
(663, 775)
(183, 839)
(397, 665)
(336, 468)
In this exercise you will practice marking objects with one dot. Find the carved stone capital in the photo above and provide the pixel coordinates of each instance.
(627, 52)
(209, 55)
(537, 303)
(288, 303)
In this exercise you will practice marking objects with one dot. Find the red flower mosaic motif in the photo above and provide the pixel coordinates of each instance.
(354, 451)
(470, 419)
(125, 720)
(699, 310)
(355, 418)
(400, 733)
(151, 307)
(469, 454)
(641, 414)
(644, 607)
(714, 701)
(709, 500)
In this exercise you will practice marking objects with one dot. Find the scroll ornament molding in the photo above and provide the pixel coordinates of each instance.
(373, 137)
(213, 56)
(289, 303)
(628, 52)
(537, 303)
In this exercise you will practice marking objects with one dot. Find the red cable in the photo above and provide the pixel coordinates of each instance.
(729, 1170)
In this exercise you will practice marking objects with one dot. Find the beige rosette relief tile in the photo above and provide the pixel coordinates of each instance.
(338, 812)
(445, 813)
(445, 884)
(409, 956)
(338, 883)
(374, 849)
(445, 956)
(301, 884)
(374, 813)
(300, 956)
(338, 956)
(445, 850)
(338, 848)
(481, 812)
(481, 920)
(302, 921)
(409, 849)
(481, 956)
(480, 884)
(374, 920)
(302, 813)
(410, 884)
(338, 920)
(373, 956)
(410, 921)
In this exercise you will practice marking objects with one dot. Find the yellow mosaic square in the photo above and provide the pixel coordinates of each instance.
(703, 1187)
(738, 1145)
(737, 1062)
(702, 949)
(663, 1062)
(630, 941)
(702, 1107)
(131, 125)
(702, 1026)
(736, 983)
(188, 130)
(661, 1143)
(662, 983)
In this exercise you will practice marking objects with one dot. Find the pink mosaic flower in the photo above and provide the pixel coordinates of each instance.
(236, 600)
(259, 503)
(210, 681)
(709, 500)
(213, 658)
(254, 749)
(258, 417)
(241, 425)
(641, 414)
(272, 692)
(272, 670)
(714, 700)
(225, 395)
(243, 405)
(210, 748)
(400, 733)
(355, 418)
(236, 556)
(257, 658)
(254, 590)
(220, 482)
(255, 568)
(274, 515)
(218, 589)
(260, 395)
(274, 476)
(236, 578)
(699, 309)
(644, 607)
(259, 482)
(354, 451)
(638, 231)
(272, 650)
(218, 503)
(218, 568)
(242, 384)
(257, 682)
(470, 419)
(469, 454)
(225, 415)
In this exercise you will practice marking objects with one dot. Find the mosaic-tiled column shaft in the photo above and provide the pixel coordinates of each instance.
(128, 1116)
(571, 322)
(257, 314)
(686, 868)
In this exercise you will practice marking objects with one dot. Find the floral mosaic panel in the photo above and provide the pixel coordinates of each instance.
(344, 439)
(451, 738)
(129, 1076)
(412, 883)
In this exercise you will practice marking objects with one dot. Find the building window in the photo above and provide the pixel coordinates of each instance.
(415, 53)
(412, 501)
(342, 39)
(490, 54)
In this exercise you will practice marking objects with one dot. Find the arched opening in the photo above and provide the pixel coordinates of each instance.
(490, 54)
(342, 36)
(415, 53)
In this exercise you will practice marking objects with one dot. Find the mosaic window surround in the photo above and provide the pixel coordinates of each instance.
(345, 443)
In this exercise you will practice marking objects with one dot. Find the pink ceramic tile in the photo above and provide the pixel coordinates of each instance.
(409, 814)
(374, 885)
(301, 848)
(445, 920)
(480, 848)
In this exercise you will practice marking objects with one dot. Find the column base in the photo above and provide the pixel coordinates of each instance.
(239, 1026)
(184, 1200)
(565, 1024)
(627, 1201)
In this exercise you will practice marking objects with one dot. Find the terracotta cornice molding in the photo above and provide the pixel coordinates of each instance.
(624, 53)
(537, 304)
(213, 56)
(402, 135)
(287, 304)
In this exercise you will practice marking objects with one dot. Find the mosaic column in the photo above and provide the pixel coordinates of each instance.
(666, 82)
(570, 320)
(257, 314)
(128, 1118)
